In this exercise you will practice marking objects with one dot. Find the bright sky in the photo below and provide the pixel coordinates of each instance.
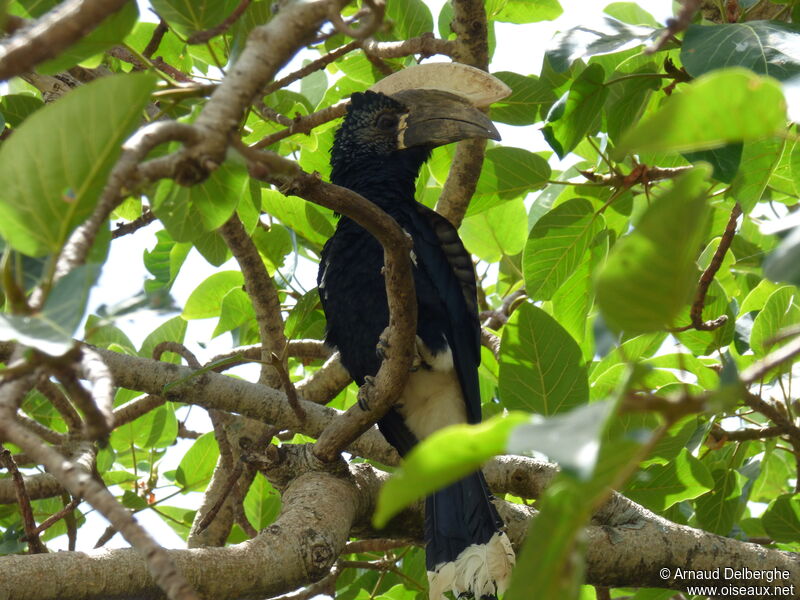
(520, 48)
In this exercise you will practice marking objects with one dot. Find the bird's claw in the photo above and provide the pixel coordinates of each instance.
(382, 349)
(364, 392)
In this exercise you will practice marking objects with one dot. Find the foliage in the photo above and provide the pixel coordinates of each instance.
(640, 367)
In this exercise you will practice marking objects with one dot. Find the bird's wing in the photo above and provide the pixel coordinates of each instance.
(441, 253)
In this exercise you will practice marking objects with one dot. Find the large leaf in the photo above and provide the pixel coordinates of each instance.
(197, 465)
(577, 112)
(47, 189)
(522, 11)
(660, 486)
(188, 212)
(528, 103)
(52, 329)
(508, 173)
(651, 273)
(782, 518)
(765, 47)
(206, 300)
(541, 366)
(499, 231)
(556, 246)
(189, 16)
(446, 456)
(760, 158)
(783, 264)
(589, 40)
(707, 113)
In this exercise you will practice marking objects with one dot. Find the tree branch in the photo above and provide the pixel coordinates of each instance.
(471, 48)
(49, 35)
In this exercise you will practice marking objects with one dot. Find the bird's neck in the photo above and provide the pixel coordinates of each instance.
(388, 181)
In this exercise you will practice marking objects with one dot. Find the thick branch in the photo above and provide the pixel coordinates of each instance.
(301, 546)
(46, 37)
(471, 48)
(263, 295)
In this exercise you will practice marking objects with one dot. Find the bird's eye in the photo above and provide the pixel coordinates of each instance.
(387, 122)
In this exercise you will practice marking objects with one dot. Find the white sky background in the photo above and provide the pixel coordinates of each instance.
(520, 48)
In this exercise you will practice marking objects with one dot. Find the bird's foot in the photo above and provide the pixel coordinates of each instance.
(382, 349)
(364, 392)
(420, 350)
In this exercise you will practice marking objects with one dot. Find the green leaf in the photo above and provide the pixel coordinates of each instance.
(541, 367)
(781, 310)
(189, 211)
(783, 264)
(781, 520)
(630, 12)
(760, 158)
(111, 31)
(262, 503)
(47, 189)
(164, 262)
(707, 113)
(499, 231)
(582, 426)
(528, 103)
(51, 330)
(446, 456)
(66, 302)
(173, 330)
(306, 219)
(556, 246)
(206, 299)
(189, 16)
(717, 510)
(298, 320)
(603, 38)
(411, 18)
(273, 245)
(764, 47)
(508, 173)
(577, 112)
(18, 107)
(651, 273)
(522, 11)
(197, 465)
(660, 486)
(725, 161)
(627, 100)
(236, 309)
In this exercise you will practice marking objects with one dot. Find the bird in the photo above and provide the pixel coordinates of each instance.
(378, 151)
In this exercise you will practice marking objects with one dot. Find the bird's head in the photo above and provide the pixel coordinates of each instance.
(402, 129)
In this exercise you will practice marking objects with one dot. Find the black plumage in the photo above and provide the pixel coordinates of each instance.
(378, 152)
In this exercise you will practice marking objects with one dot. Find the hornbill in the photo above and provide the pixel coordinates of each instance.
(378, 152)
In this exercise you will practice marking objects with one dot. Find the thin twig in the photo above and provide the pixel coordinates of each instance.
(708, 276)
(35, 545)
(53, 519)
(676, 25)
(145, 219)
(155, 40)
(305, 124)
(233, 478)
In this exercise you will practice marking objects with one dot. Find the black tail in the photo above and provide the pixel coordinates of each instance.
(467, 550)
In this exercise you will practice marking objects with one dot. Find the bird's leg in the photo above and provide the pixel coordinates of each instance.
(364, 392)
(420, 350)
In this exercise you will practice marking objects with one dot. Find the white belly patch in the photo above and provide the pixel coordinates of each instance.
(432, 398)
